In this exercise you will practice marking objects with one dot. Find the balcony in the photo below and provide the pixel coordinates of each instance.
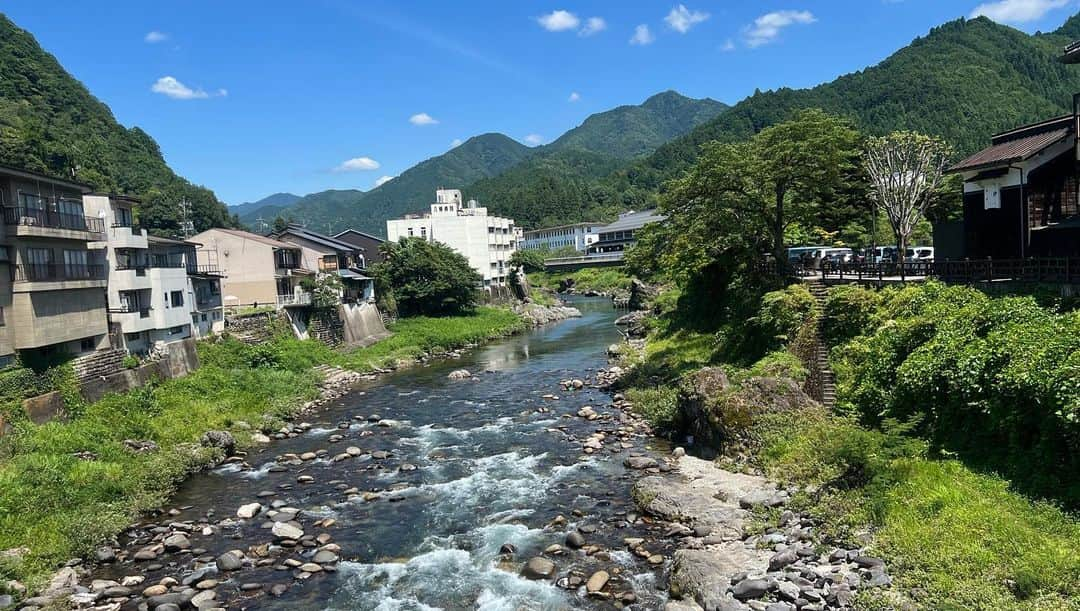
(37, 222)
(204, 270)
(294, 300)
(132, 318)
(58, 276)
(122, 234)
(142, 311)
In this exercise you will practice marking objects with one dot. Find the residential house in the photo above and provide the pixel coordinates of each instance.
(620, 235)
(367, 243)
(329, 255)
(52, 292)
(578, 236)
(486, 241)
(256, 270)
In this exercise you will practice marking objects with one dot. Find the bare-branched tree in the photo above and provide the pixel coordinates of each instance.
(905, 169)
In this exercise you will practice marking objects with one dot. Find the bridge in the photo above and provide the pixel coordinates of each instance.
(570, 264)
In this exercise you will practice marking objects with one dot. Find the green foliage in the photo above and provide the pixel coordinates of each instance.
(327, 291)
(776, 364)
(658, 405)
(130, 361)
(50, 123)
(782, 313)
(427, 278)
(849, 311)
(528, 260)
(600, 279)
(993, 379)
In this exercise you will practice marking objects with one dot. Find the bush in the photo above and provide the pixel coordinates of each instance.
(657, 405)
(427, 278)
(849, 311)
(782, 313)
(528, 260)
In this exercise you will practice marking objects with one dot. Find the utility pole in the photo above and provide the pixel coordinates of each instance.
(187, 227)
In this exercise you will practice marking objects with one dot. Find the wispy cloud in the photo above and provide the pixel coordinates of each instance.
(559, 21)
(422, 118)
(382, 180)
(642, 36)
(171, 87)
(593, 25)
(574, 96)
(154, 36)
(456, 142)
(681, 19)
(767, 28)
(1017, 11)
(358, 164)
(534, 139)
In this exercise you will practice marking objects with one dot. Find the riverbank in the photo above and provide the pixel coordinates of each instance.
(66, 487)
(952, 537)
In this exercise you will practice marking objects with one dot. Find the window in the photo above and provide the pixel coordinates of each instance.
(87, 344)
(38, 256)
(204, 317)
(178, 299)
(75, 264)
(410, 232)
(123, 217)
(176, 330)
(72, 207)
(133, 337)
(2, 323)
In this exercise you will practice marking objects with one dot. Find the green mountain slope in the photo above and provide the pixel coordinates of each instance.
(413, 191)
(277, 200)
(964, 81)
(50, 123)
(630, 131)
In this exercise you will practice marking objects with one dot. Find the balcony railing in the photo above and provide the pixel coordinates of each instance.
(36, 217)
(300, 299)
(143, 312)
(43, 272)
(204, 270)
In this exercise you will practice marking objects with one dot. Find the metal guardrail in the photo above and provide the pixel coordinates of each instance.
(141, 311)
(585, 259)
(300, 299)
(204, 270)
(36, 217)
(1063, 270)
(39, 272)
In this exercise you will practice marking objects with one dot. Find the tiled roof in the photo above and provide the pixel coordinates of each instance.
(319, 238)
(633, 220)
(258, 238)
(1018, 145)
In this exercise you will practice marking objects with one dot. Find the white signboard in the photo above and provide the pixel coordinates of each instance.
(992, 197)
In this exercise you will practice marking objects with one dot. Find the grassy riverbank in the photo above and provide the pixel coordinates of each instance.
(600, 279)
(954, 535)
(67, 487)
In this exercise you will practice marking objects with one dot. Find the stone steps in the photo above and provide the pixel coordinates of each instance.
(820, 292)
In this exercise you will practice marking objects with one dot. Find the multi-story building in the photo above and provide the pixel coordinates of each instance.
(329, 255)
(577, 236)
(256, 270)
(620, 235)
(366, 242)
(52, 283)
(487, 242)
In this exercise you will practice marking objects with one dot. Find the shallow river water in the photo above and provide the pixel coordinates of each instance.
(492, 468)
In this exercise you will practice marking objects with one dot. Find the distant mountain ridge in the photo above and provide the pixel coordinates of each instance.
(279, 200)
(594, 148)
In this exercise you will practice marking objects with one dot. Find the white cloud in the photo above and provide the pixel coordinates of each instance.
(422, 118)
(574, 96)
(642, 36)
(534, 139)
(154, 36)
(681, 19)
(1017, 11)
(559, 21)
(382, 180)
(729, 45)
(169, 86)
(766, 28)
(358, 164)
(456, 142)
(593, 25)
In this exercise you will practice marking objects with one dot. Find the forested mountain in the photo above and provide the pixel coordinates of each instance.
(531, 185)
(630, 131)
(277, 200)
(478, 157)
(50, 123)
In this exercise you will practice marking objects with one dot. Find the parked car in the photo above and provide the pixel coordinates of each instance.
(920, 254)
(837, 256)
(798, 254)
(880, 254)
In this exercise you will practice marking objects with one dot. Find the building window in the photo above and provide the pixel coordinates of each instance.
(133, 337)
(410, 232)
(2, 323)
(87, 344)
(178, 299)
(176, 330)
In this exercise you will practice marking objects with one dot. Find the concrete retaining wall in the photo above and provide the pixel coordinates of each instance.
(181, 358)
(363, 325)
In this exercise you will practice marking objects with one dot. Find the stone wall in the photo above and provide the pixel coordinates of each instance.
(45, 408)
(326, 326)
(98, 364)
(252, 328)
(179, 359)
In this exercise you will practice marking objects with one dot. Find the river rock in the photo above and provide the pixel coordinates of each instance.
(229, 561)
(575, 540)
(155, 590)
(459, 374)
(219, 439)
(538, 568)
(105, 555)
(284, 530)
(6, 601)
(783, 559)
(310, 567)
(249, 511)
(597, 582)
(324, 557)
(750, 588)
(259, 438)
(640, 462)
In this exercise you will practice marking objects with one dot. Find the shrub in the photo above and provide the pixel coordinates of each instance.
(783, 312)
(657, 405)
(849, 311)
(528, 260)
(427, 278)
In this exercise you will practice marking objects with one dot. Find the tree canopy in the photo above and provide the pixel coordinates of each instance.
(427, 278)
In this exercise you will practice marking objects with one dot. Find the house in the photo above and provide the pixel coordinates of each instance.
(52, 285)
(1020, 194)
(618, 236)
(578, 236)
(486, 241)
(367, 243)
(329, 255)
(255, 269)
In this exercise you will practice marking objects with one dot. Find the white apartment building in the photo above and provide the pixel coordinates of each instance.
(486, 241)
(151, 292)
(578, 236)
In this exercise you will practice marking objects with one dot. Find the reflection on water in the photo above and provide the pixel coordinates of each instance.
(490, 470)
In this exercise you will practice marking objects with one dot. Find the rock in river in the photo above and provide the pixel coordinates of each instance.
(459, 374)
(177, 542)
(248, 511)
(575, 540)
(597, 582)
(538, 568)
(640, 462)
(229, 561)
(285, 530)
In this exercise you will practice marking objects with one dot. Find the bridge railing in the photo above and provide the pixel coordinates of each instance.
(1061, 270)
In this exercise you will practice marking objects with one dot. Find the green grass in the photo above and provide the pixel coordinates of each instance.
(61, 506)
(961, 539)
(602, 279)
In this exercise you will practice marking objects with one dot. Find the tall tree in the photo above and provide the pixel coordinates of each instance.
(905, 169)
(427, 278)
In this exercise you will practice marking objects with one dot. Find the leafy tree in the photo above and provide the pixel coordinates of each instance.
(529, 260)
(280, 224)
(427, 278)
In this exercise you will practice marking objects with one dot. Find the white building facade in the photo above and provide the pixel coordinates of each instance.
(578, 236)
(486, 241)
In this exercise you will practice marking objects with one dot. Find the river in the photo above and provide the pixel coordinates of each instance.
(495, 463)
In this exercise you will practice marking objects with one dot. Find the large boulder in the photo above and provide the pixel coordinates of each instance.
(220, 439)
(641, 295)
(697, 394)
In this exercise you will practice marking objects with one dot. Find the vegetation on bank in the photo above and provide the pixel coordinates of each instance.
(66, 487)
(599, 279)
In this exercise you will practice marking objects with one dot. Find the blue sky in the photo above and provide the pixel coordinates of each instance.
(251, 98)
